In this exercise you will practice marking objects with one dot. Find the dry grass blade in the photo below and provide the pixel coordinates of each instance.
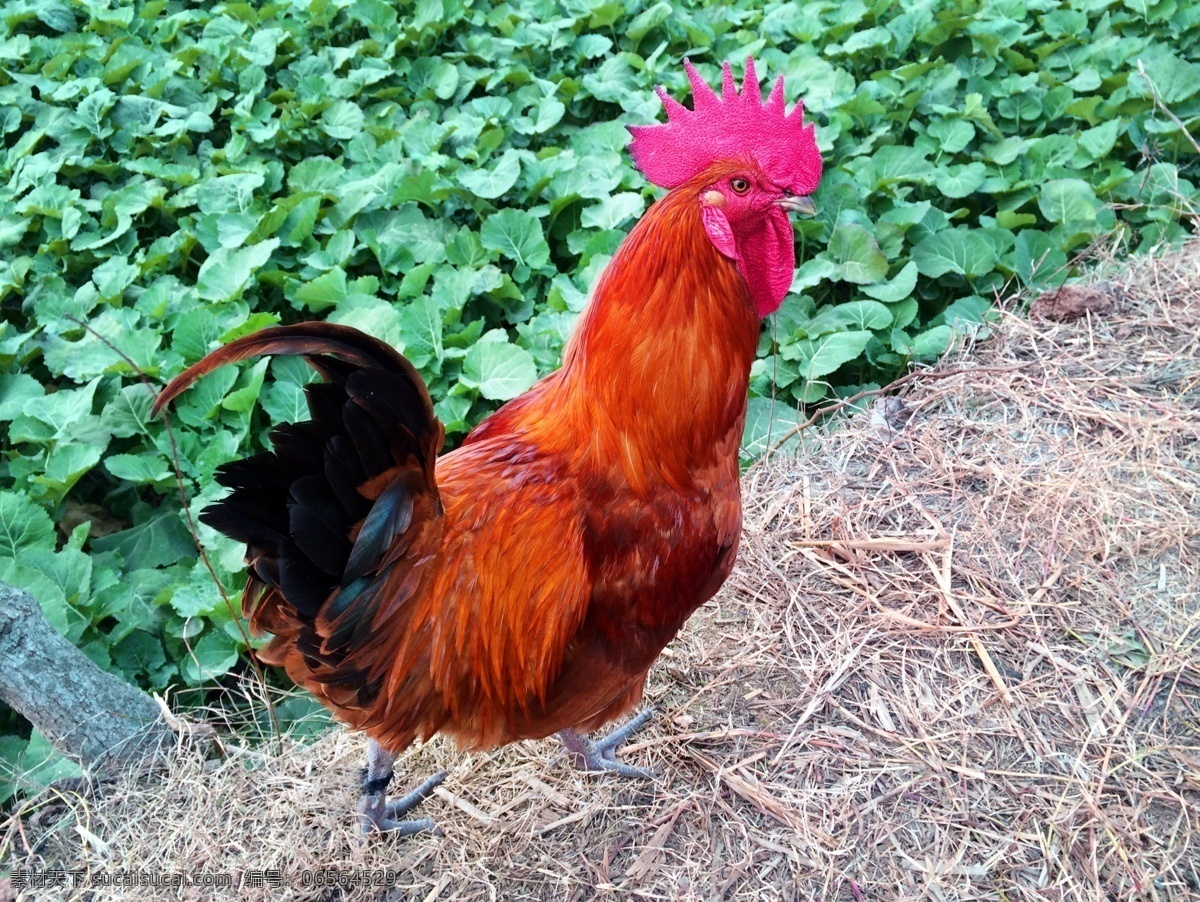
(958, 661)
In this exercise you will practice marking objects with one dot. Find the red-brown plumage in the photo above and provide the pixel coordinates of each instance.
(523, 583)
(582, 522)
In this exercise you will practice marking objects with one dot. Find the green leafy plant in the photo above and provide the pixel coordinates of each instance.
(451, 178)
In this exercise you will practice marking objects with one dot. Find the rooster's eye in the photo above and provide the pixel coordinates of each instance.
(741, 186)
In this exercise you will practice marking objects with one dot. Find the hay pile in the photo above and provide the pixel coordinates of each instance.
(959, 658)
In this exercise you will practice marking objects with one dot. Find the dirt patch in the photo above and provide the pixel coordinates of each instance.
(959, 658)
(1068, 302)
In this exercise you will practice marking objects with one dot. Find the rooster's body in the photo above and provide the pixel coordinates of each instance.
(522, 584)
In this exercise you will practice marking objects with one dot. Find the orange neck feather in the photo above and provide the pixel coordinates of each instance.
(656, 374)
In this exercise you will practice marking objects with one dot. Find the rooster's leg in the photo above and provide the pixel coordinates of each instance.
(376, 812)
(601, 754)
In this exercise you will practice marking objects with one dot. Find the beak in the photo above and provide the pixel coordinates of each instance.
(798, 204)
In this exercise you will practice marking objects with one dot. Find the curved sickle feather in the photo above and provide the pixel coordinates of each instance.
(302, 339)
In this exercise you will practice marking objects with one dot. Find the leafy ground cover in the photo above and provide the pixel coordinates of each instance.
(451, 177)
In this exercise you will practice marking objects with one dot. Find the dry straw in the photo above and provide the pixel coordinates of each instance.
(959, 659)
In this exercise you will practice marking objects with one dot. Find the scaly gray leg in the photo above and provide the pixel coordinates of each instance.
(375, 812)
(601, 754)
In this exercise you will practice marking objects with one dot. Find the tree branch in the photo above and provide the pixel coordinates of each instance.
(83, 711)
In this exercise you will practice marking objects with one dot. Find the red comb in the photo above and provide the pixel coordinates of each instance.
(732, 126)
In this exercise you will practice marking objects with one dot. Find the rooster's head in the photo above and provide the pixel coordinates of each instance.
(747, 163)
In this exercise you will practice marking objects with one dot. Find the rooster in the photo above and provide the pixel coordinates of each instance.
(522, 584)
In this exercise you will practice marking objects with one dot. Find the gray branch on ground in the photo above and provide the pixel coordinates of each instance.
(83, 711)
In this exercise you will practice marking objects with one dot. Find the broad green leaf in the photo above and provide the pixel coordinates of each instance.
(67, 412)
(613, 212)
(342, 121)
(932, 342)
(904, 313)
(1174, 79)
(196, 333)
(148, 467)
(15, 390)
(404, 235)
(375, 14)
(1006, 150)
(317, 174)
(517, 235)
(647, 20)
(113, 276)
(23, 525)
(813, 272)
(831, 351)
(433, 78)
(954, 251)
(959, 181)
(12, 230)
(499, 370)
(966, 311)
(901, 164)
(1068, 200)
(39, 765)
(453, 411)
(1024, 107)
(114, 342)
(69, 570)
(899, 287)
(198, 596)
(905, 214)
(118, 212)
(212, 656)
(325, 291)
(856, 254)
(140, 653)
(285, 402)
(595, 176)
(1062, 22)
(135, 600)
(549, 113)
(229, 193)
(491, 183)
(162, 539)
(864, 314)
(1099, 141)
(770, 373)
(225, 273)
(243, 398)
(377, 318)
(1007, 219)
(93, 109)
(421, 331)
(26, 573)
(1037, 258)
(57, 15)
(769, 423)
(591, 46)
(66, 464)
(952, 135)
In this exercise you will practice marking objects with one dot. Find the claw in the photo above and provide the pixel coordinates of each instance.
(378, 814)
(601, 755)
(407, 803)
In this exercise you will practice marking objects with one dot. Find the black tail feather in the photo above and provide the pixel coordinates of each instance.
(320, 511)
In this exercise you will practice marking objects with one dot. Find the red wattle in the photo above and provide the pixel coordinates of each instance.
(767, 261)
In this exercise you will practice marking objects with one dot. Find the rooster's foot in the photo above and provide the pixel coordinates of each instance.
(601, 754)
(376, 813)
